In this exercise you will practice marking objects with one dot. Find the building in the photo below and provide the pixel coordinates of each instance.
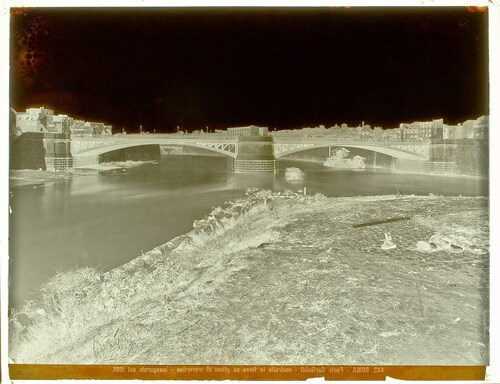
(473, 129)
(13, 129)
(43, 120)
(34, 120)
(422, 130)
(480, 130)
(88, 129)
(100, 129)
(251, 130)
(61, 123)
(454, 131)
(469, 128)
(80, 128)
(391, 134)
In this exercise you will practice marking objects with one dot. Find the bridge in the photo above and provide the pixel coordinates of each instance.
(87, 150)
(399, 150)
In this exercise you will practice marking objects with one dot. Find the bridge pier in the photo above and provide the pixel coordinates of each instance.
(255, 154)
(57, 151)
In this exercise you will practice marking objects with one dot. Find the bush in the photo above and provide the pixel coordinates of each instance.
(69, 289)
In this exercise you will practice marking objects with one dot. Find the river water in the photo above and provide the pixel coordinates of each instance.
(107, 219)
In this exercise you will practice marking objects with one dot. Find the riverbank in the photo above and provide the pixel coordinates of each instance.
(38, 178)
(281, 279)
(28, 177)
(114, 165)
(394, 170)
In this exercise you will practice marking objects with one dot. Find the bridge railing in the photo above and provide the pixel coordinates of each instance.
(341, 141)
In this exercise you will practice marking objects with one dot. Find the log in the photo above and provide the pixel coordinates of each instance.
(377, 222)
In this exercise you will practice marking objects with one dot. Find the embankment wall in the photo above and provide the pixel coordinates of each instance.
(465, 157)
(27, 151)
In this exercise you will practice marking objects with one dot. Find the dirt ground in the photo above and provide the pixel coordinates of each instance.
(295, 283)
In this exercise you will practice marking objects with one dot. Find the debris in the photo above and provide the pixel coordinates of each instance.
(388, 244)
(454, 243)
(440, 242)
(263, 245)
(377, 222)
(424, 247)
(477, 250)
(456, 248)
(456, 320)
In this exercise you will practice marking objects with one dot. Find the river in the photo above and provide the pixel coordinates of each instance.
(107, 219)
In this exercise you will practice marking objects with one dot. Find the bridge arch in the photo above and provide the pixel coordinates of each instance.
(393, 152)
(114, 146)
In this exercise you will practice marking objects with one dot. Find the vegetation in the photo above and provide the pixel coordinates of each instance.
(279, 278)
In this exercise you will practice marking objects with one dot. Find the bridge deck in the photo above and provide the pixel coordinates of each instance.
(94, 146)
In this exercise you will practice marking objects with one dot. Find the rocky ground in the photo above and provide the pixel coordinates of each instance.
(284, 280)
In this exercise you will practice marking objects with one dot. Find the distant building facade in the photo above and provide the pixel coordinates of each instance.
(80, 128)
(251, 130)
(43, 120)
(13, 129)
(61, 123)
(469, 129)
(422, 131)
(453, 131)
(34, 120)
(480, 130)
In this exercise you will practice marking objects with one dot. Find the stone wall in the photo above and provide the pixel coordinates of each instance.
(464, 157)
(37, 150)
(470, 156)
(27, 151)
(255, 166)
(425, 167)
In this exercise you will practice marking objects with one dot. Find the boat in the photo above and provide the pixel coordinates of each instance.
(293, 173)
(340, 160)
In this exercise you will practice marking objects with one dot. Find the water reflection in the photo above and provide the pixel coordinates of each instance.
(252, 180)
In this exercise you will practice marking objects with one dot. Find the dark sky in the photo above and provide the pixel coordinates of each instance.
(283, 68)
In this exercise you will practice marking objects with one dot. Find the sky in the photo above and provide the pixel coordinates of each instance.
(283, 68)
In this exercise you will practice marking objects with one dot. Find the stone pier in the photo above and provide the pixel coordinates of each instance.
(255, 154)
(57, 151)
